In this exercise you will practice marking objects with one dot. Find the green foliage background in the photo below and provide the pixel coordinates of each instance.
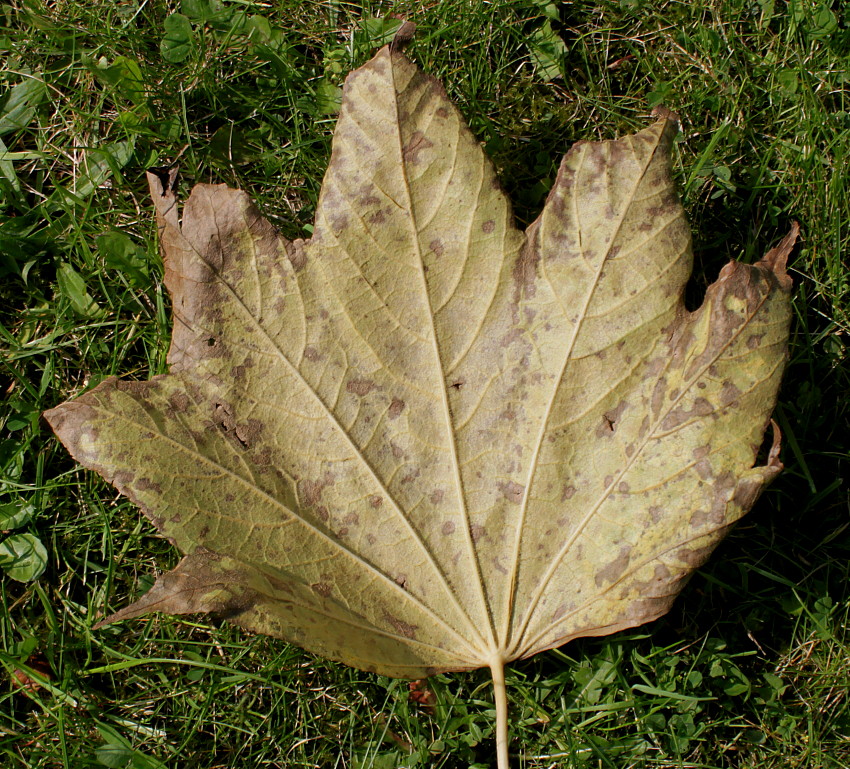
(749, 670)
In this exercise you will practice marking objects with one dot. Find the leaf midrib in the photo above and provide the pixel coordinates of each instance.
(650, 434)
(341, 429)
(523, 650)
(252, 487)
(538, 444)
(489, 646)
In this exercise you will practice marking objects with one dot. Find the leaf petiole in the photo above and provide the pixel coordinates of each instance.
(497, 668)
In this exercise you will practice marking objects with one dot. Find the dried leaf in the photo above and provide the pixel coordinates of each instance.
(424, 440)
(38, 663)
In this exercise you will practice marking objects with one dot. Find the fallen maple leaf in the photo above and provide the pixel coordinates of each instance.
(423, 440)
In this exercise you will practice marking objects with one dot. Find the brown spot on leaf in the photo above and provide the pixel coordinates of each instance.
(136, 388)
(693, 559)
(418, 142)
(437, 247)
(437, 496)
(679, 415)
(614, 570)
(512, 336)
(701, 452)
(242, 434)
(729, 393)
(568, 492)
(448, 528)
(488, 226)
(360, 387)
(146, 484)
(657, 402)
(178, 401)
(395, 409)
(248, 433)
(402, 628)
(661, 573)
(512, 491)
(369, 199)
(297, 255)
(262, 457)
(322, 588)
(558, 613)
(310, 491)
(411, 475)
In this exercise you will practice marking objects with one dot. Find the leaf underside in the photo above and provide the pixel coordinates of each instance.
(424, 440)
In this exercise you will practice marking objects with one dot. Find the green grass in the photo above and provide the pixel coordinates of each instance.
(751, 667)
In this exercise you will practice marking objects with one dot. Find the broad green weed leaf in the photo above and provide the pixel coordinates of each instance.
(205, 11)
(119, 252)
(789, 80)
(23, 557)
(376, 31)
(114, 756)
(425, 440)
(7, 170)
(125, 75)
(548, 52)
(328, 98)
(99, 164)
(18, 108)
(15, 514)
(661, 92)
(823, 22)
(177, 41)
(117, 752)
(72, 286)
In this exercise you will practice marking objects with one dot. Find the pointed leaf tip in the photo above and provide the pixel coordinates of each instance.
(665, 113)
(404, 35)
(773, 460)
(200, 583)
(777, 258)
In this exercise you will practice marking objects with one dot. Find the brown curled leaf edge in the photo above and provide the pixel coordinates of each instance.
(424, 440)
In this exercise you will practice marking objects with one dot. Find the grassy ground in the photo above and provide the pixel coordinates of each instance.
(749, 670)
